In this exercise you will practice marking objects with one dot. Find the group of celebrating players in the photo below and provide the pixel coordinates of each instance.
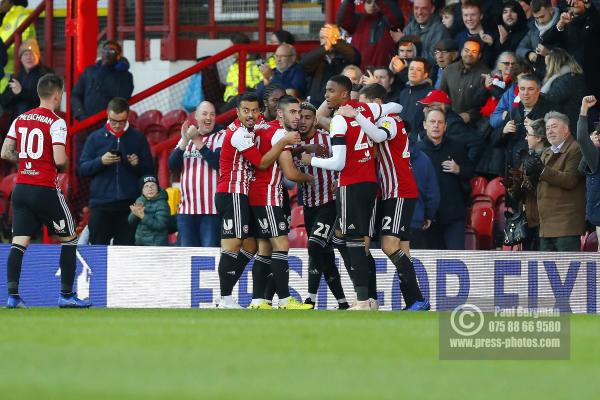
(356, 183)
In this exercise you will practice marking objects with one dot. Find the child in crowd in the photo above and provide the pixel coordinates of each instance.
(151, 214)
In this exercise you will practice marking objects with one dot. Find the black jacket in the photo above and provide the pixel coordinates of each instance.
(320, 66)
(566, 92)
(28, 98)
(580, 38)
(409, 98)
(515, 143)
(120, 181)
(98, 85)
(454, 188)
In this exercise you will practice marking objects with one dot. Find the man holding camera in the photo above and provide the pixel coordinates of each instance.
(114, 157)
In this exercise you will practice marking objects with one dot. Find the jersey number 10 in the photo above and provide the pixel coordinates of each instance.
(29, 140)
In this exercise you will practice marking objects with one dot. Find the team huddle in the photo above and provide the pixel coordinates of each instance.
(356, 182)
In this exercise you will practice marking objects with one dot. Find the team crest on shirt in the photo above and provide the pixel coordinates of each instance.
(282, 226)
(245, 228)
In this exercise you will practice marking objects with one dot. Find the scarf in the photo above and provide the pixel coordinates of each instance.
(565, 69)
(117, 134)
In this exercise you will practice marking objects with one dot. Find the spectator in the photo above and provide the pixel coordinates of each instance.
(428, 202)
(407, 50)
(523, 188)
(545, 17)
(526, 7)
(150, 214)
(327, 60)
(577, 31)
(498, 81)
(564, 84)
(451, 23)
(561, 190)
(353, 73)
(114, 157)
(417, 87)
(512, 27)
(446, 52)
(277, 38)
(98, 84)
(253, 75)
(384, 77)
(21, 94)
(453, 170)
(464, 84)
(15, 13)
(371, 31)
(427, 25)
(287, 73)
(532, 105)
(472, 16)
(196, 158)
(507, 101)
(456, 129)
(590, 148)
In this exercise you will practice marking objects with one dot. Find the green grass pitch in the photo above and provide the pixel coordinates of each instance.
(218, 354)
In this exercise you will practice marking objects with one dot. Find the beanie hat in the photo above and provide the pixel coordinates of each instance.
(30, 45)
(147, 178)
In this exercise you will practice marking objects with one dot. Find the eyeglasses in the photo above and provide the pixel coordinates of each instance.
(117, 121)
(109, 51)
(441, 52)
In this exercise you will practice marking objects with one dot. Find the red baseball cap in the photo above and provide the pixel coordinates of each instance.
(435, 96)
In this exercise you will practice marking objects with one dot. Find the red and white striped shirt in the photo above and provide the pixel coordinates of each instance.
(395, 171)
(198, 180)
(322, 192)
(238, 155)
(265, 188)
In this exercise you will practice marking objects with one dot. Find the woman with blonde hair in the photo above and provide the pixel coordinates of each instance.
(564, 84)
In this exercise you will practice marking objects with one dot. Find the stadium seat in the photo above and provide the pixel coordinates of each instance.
(495, 189)
(590, 242)
(478, 184)
(482, 221)
(470, 239)
(172, 121)
(298, 238)
(297, 217)
(149, 122)
(132, 119)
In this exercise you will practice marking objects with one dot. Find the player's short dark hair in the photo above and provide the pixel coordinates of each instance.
(287, 100)
(118, 105)
(247, 96)
(537, 5)
(272, 87)
(49, 84)
(308, 107)
(373, 91)
(421, 60)
(343, 81)
(285, 37)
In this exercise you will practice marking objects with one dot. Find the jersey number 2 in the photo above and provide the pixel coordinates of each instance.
(29, 140)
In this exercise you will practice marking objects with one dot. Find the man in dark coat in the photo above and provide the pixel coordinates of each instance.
(101, 82)
(417, 87)
(577, 31)
(454, 170)
(327, 60)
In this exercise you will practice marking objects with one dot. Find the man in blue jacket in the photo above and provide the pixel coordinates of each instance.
(115, 157)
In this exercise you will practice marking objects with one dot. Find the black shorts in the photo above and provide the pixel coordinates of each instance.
(396, 216)
(269, 222)
(235, 215)
(319, 222)
(36, 205)
(355, 206)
